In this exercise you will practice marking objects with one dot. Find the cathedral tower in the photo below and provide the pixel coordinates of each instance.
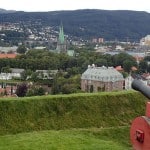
(61, 42)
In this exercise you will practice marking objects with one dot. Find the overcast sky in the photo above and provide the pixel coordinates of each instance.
(51, 5)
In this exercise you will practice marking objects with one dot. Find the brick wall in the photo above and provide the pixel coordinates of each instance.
(98, 86)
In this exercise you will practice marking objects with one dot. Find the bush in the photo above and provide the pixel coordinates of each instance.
(35, 91)
(21, 89)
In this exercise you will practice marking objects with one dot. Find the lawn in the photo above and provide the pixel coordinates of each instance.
(73, 139)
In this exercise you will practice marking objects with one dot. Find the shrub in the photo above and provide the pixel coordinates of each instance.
(21, 89)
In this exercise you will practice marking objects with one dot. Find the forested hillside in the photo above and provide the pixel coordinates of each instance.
(90, 23)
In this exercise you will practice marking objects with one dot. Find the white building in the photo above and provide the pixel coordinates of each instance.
(15, 73)
(145, 40)
(128, 82)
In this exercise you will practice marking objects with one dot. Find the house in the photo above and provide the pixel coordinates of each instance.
(46, 74)
(128, 82)
(8, 90)
(96, 79)
(119, 68)
(8, 49)
(143, 78)
(8, 55)
(15, 73)
(145, 40)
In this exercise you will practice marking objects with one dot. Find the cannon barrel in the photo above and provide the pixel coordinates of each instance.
(140, 128)
(138, 85)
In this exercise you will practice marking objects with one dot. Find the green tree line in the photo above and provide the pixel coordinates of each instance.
(46, 60)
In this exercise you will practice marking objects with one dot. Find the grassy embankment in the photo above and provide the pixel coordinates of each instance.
(100, 114)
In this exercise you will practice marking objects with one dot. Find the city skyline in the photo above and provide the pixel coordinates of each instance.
(47, 5)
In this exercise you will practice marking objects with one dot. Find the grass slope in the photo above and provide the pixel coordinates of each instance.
(70, 111)
(75, 139)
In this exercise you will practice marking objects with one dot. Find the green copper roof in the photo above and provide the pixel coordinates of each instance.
(61, 34)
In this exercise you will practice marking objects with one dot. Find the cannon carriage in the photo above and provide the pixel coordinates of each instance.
(140, 128)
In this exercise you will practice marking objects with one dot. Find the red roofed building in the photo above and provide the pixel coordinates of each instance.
(119, 68)
(8, 91)
(146, 76)
(138, 58)
(8, 56)
(134, 68)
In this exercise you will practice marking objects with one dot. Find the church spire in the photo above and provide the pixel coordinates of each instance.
(61, 34)
(61, 43)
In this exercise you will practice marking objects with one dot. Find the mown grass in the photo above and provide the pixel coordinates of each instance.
(73, 139)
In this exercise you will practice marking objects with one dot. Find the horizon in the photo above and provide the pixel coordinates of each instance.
(74, 10)
(64, 5)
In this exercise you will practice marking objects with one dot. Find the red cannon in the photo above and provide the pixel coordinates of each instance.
(140, 128)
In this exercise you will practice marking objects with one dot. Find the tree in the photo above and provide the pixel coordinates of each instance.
(120, 58)
(21, 90)
(125, 74)
(143, 66)
(72, 71)
(21, 49)
(127, 64)
(34, 91)
(40, 91)
(68, 88)
(25, 74)
(101, 62)
(6, 69)
(34, 76)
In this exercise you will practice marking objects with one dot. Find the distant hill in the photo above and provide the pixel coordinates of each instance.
(90, 23)
(2, 11)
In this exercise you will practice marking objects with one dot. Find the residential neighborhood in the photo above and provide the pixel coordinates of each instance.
(95, 79)
(46, 56)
